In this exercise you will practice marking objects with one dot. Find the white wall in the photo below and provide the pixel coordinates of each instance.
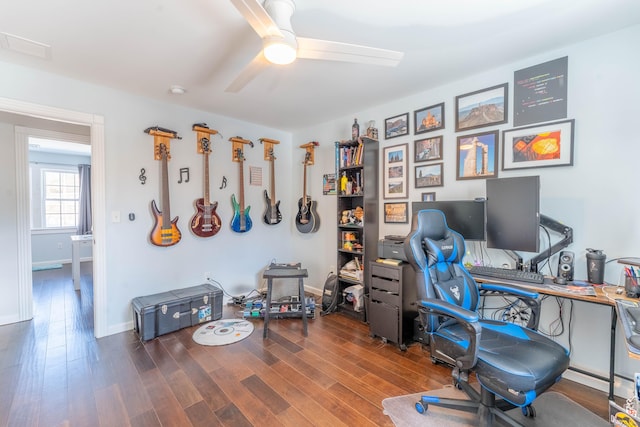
(596, 196)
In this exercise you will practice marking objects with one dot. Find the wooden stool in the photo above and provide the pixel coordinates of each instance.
(285, 273)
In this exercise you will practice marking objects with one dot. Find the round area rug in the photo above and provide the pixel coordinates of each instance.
(222, 332)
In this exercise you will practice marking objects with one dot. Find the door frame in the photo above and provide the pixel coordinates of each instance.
(98, 187)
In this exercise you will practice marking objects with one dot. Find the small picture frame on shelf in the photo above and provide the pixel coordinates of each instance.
(396, 212)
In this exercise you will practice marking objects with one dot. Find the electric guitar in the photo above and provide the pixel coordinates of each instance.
(307, 220)
(240, 223)
(272, 213)
(205, 222)
(165, 231)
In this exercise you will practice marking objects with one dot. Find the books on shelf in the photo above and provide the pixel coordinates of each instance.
(351, 155)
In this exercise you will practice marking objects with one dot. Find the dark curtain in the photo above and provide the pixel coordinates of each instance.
(84, 220)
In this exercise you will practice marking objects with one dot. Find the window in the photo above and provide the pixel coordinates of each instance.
(61, 198)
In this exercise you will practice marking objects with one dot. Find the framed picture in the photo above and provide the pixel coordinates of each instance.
(485, 107)
(329, 183)
(540, 93)
(396, 126)
(395, 172)
(429, 175)
(396, 212)
(477, 155)
(429, 197)
(545, 145)
(429, 119)
(428, 149)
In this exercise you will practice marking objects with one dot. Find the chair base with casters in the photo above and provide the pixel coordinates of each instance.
(513, 363)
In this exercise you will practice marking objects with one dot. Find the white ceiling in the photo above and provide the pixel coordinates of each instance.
(146, 46)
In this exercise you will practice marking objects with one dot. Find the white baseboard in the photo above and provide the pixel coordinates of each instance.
(621, 388)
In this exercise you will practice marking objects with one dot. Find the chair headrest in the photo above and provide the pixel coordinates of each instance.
(432, 224)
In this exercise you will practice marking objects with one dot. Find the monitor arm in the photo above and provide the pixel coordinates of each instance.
(558, 227)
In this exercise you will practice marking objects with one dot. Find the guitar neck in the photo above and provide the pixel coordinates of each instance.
(207, 201)
(304, 184)
(272, 182)
(166, 213)
(241, 201)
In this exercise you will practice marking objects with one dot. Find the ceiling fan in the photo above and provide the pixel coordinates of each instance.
(272, 22)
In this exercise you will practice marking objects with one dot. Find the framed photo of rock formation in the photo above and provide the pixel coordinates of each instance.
(485, 107)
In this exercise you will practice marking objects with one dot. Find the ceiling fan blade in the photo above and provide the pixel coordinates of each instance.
(257, 17)
(253, 68)
(336, 51)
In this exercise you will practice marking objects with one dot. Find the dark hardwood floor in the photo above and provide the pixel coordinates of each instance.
(53, 372)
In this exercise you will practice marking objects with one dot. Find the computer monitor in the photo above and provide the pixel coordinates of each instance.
(513, 213)
(464, 216)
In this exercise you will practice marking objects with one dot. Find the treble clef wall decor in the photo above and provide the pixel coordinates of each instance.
(142, 177)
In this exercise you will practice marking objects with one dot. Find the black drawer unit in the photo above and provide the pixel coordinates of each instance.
(392, 302)
(159, 314)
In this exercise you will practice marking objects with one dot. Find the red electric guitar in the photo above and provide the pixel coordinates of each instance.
(205, 222)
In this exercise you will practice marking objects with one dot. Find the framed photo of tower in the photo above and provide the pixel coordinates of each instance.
(477, 155)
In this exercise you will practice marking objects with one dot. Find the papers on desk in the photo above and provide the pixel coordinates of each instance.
(573, 290)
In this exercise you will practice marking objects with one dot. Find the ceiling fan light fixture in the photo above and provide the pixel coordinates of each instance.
(280, 51)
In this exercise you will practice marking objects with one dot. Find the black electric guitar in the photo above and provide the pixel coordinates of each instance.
(241, 222)
(307, 220)
(165, 231)
(205, 222)
(272, 213)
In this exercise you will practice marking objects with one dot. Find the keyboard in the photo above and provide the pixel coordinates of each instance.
(506, 273)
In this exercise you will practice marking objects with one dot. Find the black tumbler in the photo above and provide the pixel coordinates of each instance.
(595, 266)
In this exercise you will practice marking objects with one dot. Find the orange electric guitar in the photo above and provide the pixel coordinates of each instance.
(165, 231)
(205, 222)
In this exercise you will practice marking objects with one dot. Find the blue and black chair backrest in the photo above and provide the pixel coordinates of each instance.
(440, 274)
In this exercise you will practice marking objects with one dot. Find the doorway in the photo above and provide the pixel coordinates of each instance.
(95, 123)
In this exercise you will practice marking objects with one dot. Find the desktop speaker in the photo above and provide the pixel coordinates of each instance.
(565, 266)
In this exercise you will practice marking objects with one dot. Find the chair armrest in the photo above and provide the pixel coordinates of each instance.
(468, 319)
(529, 298)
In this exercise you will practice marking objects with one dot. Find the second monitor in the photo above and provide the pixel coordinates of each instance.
(467, 217)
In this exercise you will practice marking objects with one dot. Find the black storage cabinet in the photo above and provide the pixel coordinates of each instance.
(166, 312)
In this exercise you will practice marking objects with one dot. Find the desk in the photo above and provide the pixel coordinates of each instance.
(285, 273)
(76, 243)
(601, 298)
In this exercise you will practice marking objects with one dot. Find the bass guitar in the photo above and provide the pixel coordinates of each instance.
(272, 213)
(205, 222)
(165, 231)
(241, 222)
(307, 220)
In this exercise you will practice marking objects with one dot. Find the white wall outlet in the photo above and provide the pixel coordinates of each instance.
(115, 216)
